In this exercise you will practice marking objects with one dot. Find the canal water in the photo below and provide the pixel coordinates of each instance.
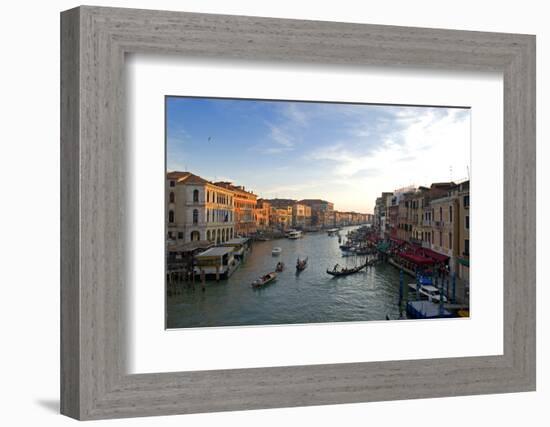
(311, 296)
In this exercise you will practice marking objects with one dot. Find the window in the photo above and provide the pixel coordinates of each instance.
(172, 197)
(207, 196)
(171, 217)
(466, 200)
(208, 216)
(172, 183)
(467, 222)
(170, 235)
(195, 235)
(466, 247)
(450, 214)
(440, 238)
(180, 234)
(440, 214)
(195, 196)
(195, 216)
(450, 240)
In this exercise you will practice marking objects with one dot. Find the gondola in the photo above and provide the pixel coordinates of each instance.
(301, 264)
(345, 271)
(260, 282)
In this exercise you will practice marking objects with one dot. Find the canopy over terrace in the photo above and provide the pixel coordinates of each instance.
(397, 241)
(189, 246)
(417, 259)
(383, 247)
(373, 238)
(437, 257)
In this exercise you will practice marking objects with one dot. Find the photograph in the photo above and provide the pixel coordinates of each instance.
(281, 212)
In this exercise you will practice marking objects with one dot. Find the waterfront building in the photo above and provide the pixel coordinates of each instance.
(423, 229)
(381, 212)
(322, 212)
(404, 215)
(301, 215)
(281, 217)
(197, 209)
(445, 226)
(245, 207)
(261, 214)
(393, 218)
(463, 258)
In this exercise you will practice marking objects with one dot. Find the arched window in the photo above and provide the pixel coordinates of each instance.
(223, 235)
(208, 235)
(231, 233)
(218, 236)
(195, 235)
(195, 216)
(207, 215)
(207, 196)
(195, 196)
(171, 217)
(172, 197)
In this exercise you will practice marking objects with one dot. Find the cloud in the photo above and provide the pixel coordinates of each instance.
(279, 136)
(295, 113)
(432, 139)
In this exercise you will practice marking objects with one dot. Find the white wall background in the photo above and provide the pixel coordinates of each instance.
(29, 213)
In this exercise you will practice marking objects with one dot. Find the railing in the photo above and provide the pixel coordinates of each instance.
(439, 223)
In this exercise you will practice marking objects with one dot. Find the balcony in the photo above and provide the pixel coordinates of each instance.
(439, 224)
(427, 223)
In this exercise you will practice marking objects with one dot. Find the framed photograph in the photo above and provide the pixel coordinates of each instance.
(262, 213)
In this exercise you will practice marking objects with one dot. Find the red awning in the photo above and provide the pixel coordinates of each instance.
(397, 241)
(434, 255)
(417, 259)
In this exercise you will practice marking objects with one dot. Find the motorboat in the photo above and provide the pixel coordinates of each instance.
(294, 234)
(432, 293)
(276, 251)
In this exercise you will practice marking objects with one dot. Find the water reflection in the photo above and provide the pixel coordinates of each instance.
(311, 296)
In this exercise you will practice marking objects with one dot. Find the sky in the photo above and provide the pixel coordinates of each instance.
(344, 153)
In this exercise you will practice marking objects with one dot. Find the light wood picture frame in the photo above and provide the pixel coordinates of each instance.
(94, 379)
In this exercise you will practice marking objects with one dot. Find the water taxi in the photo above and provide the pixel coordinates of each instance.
(428, 291)
(294, 234)
(276, 251)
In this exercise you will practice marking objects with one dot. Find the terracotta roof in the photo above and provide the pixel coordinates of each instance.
(176, 174)
(235, 188)
(307, 201)
(192, 179)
